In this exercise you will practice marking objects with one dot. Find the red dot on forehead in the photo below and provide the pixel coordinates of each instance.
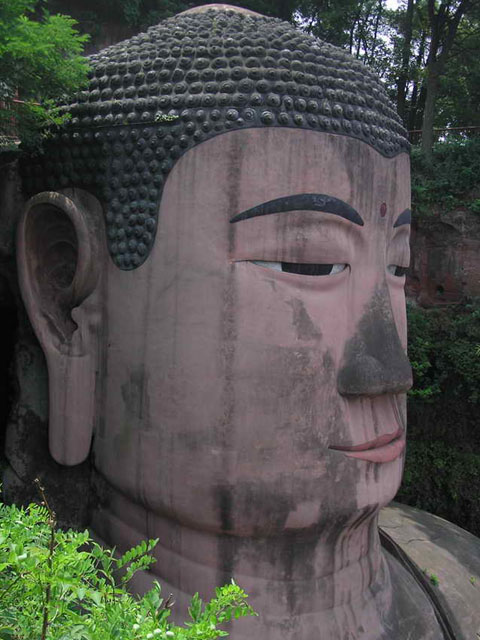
(383, 209)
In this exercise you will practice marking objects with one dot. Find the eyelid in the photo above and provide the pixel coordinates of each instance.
(392, 270)
(276, 266)
(321, 269)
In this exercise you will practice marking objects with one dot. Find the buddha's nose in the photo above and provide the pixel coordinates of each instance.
(374, 361)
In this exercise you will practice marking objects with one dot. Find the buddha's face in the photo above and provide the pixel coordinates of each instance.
(254, 368)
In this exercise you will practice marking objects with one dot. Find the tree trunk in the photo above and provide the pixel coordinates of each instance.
(417, 105)
(406, 50)
(432, 84)
(443, 29)
(417, 100)
(371, 57)
(350, 40)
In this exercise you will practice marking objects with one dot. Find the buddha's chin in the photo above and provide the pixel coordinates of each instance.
(326, 496)
(380, 482)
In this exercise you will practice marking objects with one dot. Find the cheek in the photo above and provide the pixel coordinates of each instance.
(288, 310)
(285, 365)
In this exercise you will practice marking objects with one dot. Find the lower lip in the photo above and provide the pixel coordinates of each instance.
(385, 453)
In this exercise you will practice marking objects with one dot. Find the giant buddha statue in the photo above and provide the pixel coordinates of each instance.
(213, 260)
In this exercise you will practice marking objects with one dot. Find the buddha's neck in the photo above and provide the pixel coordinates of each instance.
(315, 585)
(321, 585)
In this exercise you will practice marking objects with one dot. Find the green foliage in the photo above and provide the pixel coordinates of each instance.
(450, 181)
(443, 352)
(443, 480)
(60, 585)
(140, 14)
(432, 577)
(165, 117)
(442, 469)
(40, 62)
(460, 87)
(332, 21)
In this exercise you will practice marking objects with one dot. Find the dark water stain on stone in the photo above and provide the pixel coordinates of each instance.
(223, 430)
(306, 330)
(136, 400)
(227, 545)
(374, 361)
(223, 497)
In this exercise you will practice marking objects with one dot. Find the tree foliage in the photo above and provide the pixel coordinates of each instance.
(139, 14)
(452, 181)
(415, 48)
(442, 350)
(459, 97)
(57, 585)
(443, 480)
(442, 468)
(40, 61)
(443, 23)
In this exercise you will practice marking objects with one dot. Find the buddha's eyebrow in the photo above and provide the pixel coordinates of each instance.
(303, 201)
(404, 218)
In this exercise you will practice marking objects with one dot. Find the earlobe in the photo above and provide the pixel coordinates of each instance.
(60, 252)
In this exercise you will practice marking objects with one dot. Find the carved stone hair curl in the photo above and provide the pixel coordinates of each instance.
(194, 76)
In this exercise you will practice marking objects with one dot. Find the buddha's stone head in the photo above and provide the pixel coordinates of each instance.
(214, 265)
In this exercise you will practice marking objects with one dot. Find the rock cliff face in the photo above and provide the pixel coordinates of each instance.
(445, 262)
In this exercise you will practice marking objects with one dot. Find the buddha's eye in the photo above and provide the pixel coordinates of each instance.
(395, 270)
(303, 269)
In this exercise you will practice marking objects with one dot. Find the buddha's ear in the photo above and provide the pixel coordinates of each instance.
(61, 255)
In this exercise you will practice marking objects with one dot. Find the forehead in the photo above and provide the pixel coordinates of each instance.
(242, 169)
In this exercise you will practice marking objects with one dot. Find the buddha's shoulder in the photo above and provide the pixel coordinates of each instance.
(448, 556)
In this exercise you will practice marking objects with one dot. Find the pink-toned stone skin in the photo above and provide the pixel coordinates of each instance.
(222, 384)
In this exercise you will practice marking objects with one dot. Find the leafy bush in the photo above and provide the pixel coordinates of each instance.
(442, 468)
(444, 481)
(40, 62)
(449, 181)
(60, 585)
(442, 348)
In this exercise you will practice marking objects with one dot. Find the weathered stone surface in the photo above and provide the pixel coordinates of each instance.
(444, 550)
(445, 265)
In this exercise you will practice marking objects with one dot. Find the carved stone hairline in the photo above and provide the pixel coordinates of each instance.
(192, 77)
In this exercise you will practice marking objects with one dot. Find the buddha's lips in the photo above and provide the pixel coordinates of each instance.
(383, 449)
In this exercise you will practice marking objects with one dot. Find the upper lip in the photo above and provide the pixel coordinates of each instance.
(381, 441)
